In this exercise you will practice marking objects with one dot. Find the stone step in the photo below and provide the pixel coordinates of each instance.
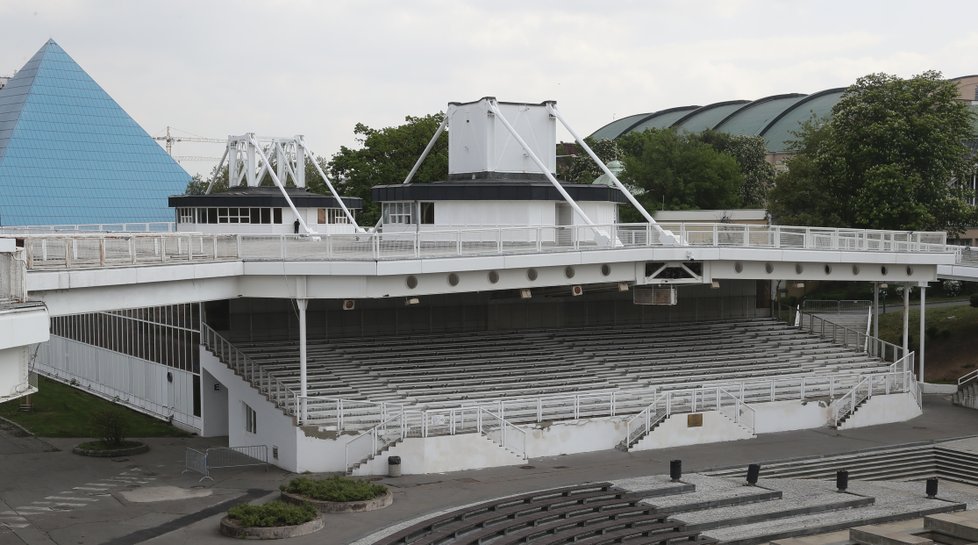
(960, 525)
(893, 501)
(794, 502)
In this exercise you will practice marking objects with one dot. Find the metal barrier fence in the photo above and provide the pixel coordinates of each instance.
(224, 457)
(79, 250)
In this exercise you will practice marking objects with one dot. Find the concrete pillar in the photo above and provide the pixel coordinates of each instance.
(923, 324)
(876, 309)
(906, 319)
(302, 304)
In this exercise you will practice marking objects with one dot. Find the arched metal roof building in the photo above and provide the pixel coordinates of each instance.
(775, 118)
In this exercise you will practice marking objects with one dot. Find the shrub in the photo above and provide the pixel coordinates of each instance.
(974, 299)
(110, 426)
(335, 489)
(271, 514)
(951, 287)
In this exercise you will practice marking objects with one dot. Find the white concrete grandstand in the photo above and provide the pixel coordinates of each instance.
(462, 346)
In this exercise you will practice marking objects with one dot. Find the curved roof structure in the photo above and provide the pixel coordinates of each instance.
(663, 119)
(775, 118)
(707, 117)
(781, 130)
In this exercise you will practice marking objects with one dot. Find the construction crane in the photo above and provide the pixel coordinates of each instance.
(170, 139)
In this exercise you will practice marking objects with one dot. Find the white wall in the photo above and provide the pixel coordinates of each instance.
(134, 382)
(274, 428)
(213, 406)
(791, 415)
(674, 432)
(572, 437)
(883, 409)
(441, 454)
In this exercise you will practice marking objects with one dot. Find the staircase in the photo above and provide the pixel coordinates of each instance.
(908, 462)
(967, 394)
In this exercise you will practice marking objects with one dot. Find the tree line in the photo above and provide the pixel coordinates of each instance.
(894, 154)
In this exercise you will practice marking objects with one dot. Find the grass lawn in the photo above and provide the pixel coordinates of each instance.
(63, 411)
(952, 341)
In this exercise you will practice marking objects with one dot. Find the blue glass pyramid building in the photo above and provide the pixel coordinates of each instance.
(69, 154)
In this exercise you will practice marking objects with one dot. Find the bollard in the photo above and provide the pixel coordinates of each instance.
(753, 472)
(842, 480)
(676, 470)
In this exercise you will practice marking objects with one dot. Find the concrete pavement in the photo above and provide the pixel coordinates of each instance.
(147, 499)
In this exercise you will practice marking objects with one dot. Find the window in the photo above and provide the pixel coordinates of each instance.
(427, 213)
(333, 216)
(397, 212)
(186, 215)
(277, 212)
(251, 419)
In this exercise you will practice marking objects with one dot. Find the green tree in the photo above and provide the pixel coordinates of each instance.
(887, 159)
(678, 172)
(582, 169)
(750, 153)
(385, 156)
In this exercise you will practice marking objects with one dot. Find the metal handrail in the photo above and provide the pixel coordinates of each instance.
(86, 250)
(874, 346)
(239, 362)
(970, 377)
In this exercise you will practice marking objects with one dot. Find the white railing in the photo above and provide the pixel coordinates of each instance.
(114, 250)
(79, 250)
(870, 385)
(253, 373)
(134, 227)
(691, 400)
(434, 423)
(967, 379)
(505, 434)
(849, 337)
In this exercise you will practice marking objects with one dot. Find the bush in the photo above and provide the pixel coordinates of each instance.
(974, 299)
(271, 514)
(951, 288)
(334, 489)
(110, 426)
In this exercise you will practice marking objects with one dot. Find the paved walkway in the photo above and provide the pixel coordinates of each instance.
(146, 499)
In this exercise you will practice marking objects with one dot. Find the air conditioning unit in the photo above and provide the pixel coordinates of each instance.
(349, 304)
(577, 291)
(654, 296)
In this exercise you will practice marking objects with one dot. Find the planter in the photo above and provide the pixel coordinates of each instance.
(230, 528)
(129, 449)
(322, 506)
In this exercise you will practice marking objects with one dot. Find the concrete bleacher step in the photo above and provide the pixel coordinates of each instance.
(910, 462)
(891, 502)
(590, 513)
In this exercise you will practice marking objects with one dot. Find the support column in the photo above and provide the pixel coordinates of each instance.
(876, 309)
(302, 304)
(906, 319)
(923, 324)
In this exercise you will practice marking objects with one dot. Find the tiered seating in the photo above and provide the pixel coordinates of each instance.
(584, 514)
(444, 370)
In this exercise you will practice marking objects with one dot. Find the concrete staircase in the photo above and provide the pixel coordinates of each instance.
(907, 462)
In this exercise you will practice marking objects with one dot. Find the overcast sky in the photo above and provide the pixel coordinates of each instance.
(317, 67)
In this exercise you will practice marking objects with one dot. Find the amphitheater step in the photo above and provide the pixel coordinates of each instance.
(893, 501)
(593, 513)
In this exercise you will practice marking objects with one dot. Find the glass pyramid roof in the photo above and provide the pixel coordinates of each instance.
(69, 154)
